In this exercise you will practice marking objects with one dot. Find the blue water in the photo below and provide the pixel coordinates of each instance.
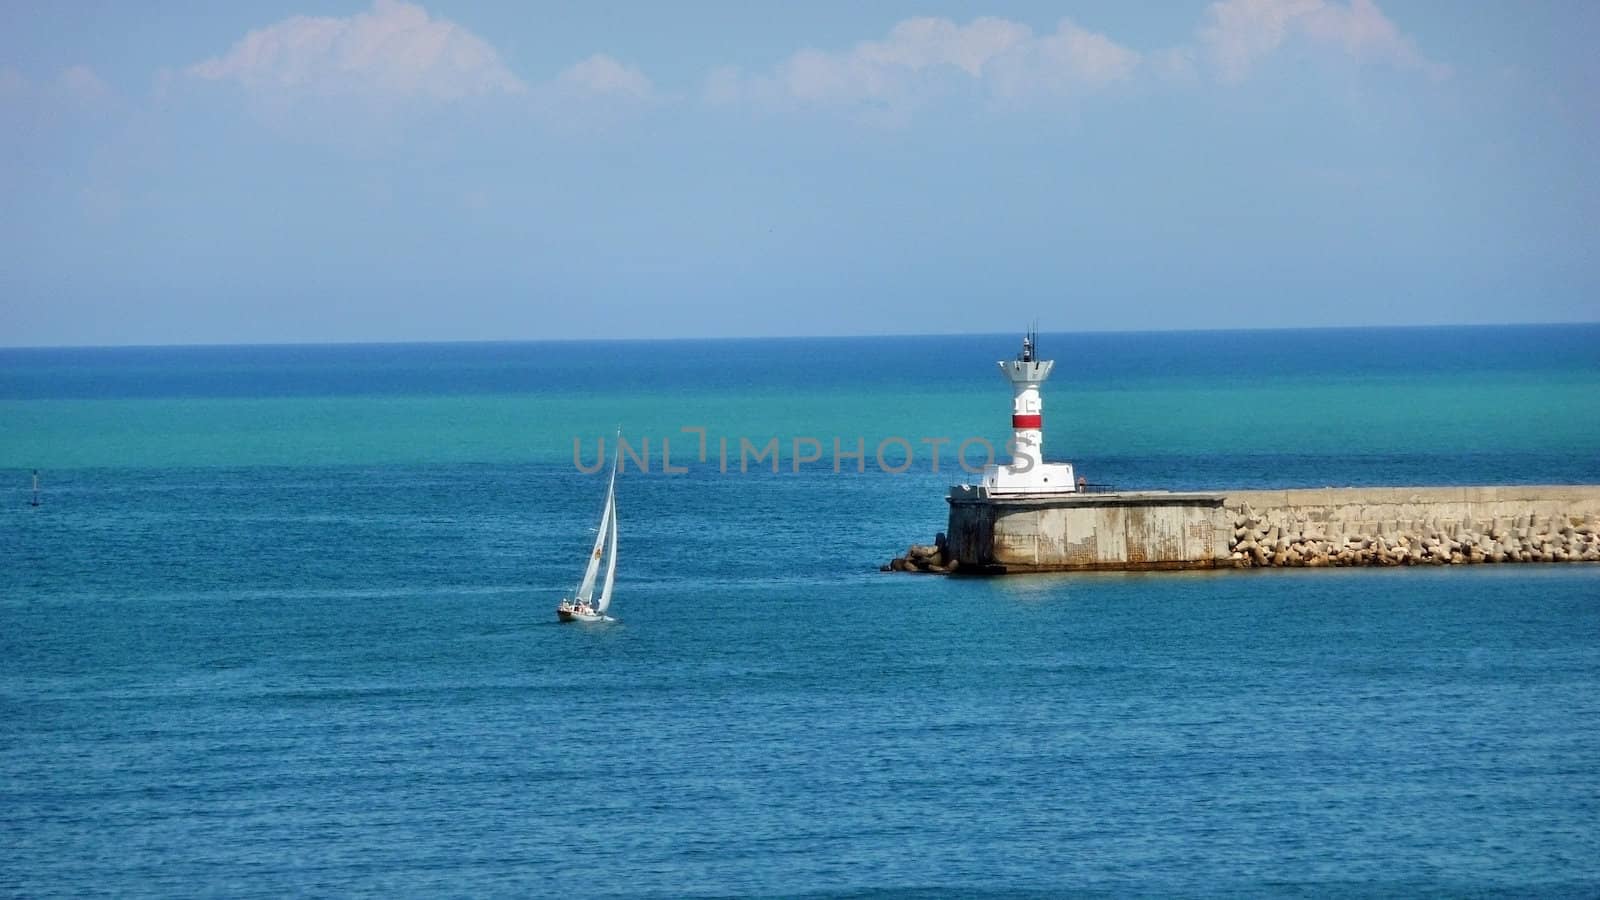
(283, 625)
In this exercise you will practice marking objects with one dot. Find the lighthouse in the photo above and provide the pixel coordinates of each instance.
(1028, 473)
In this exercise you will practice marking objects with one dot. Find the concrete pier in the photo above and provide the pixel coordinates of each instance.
(1086, 531)
(1018, 533)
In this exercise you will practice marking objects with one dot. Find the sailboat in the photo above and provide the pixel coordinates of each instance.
(583, 606)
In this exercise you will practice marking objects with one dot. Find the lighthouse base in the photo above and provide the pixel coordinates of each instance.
(1039, 478)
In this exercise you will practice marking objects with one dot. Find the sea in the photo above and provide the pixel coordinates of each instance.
(283, 624)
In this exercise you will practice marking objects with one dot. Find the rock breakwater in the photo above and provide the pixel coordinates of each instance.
(1267, 538)
(931, 558)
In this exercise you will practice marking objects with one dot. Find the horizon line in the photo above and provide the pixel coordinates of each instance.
(778, 337)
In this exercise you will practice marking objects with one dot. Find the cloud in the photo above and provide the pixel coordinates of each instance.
(601, 75)
(1239, 33)
(921, 57)
(922, 43)
(592, 97)
(82, 84)
(395, 49)
(1072, 59)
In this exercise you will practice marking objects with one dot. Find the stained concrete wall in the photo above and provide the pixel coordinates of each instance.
(1338, 526)
(1093, 531)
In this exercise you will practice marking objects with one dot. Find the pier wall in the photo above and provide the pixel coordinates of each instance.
(1248, 529)
(1094, 531)
(1410, 526)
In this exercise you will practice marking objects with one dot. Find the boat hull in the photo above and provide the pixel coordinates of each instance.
(571, 615)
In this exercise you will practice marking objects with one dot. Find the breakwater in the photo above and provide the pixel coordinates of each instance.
(1258, 529)
(1414, 526)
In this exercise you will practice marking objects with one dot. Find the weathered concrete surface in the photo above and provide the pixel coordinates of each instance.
(1089, 531)
(1244, 529)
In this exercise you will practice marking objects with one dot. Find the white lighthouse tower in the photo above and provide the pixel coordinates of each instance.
(1027, 472)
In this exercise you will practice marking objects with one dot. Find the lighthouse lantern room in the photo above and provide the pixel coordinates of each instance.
(1028, 473)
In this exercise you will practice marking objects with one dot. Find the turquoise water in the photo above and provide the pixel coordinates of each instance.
(283, 625)
(1317, 407)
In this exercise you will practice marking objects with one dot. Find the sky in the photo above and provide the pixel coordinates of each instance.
(304, 171)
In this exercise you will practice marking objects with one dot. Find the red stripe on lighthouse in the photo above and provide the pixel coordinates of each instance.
(1027, 421)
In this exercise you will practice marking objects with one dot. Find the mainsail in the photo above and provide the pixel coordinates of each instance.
(611, 555)
(586, 587)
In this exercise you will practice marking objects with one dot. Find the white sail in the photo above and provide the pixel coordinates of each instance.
(611, 556)
(586, 587)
